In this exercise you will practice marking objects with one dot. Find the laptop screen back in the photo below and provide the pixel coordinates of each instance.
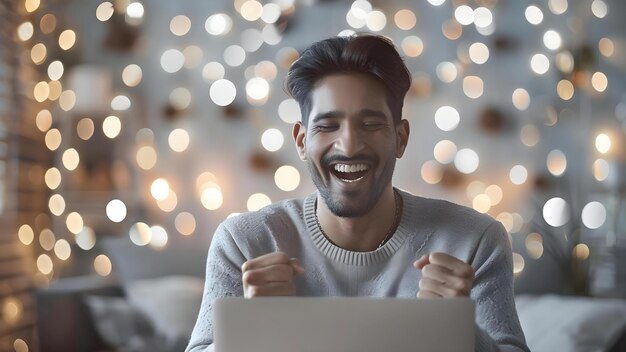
(297, 324)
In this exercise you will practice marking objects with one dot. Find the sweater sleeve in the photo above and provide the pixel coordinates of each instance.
(223, 279)
(497, 323)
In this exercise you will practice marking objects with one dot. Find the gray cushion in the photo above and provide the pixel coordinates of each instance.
(186, 256)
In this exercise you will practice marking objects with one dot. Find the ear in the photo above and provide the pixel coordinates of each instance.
(299, 134)
(403, 130)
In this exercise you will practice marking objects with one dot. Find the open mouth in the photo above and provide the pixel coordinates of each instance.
(350, 172)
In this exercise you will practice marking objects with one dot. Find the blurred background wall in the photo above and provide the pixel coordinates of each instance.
(152, 121)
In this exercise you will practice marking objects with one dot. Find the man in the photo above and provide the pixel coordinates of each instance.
(358, 235)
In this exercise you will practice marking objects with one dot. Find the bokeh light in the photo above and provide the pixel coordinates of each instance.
(180, 25)
(289, 111)
(56, 204)
(431, 172)
(185, 223)
(102, 265)
(62, 249)
(74, 222)
(140, 234)
(52, 177)
(552, 39)
(534, 15)
(534, 245)
(105, 11)
(85, 128)
(26, 234)
(482, 203)
(179, 140)
(67, 39)
(518, 174)
(70, 159)
(272, 139)
(557, 7)
(159, 237)
(599, 81)
(25, 31)
(376, 20)
(258, 201)
(168, 204)
(581, 251)
(213, 71)
(466, 161)
(120, 102)
(146, 157)
(603, 143)
(606, 47)
(412, 46)
(601, 169)
(479, 53)
(556, 162)
(218, 24)
(447, 118)
(518, 263)
(473, 87)
(111, 126)
(234, 55)
(540, 64)
(44, 264)
(287, 178)
(446, 71)
(211, 197)
(43, 120)
(521, 99)
(593, 215)
(495, 194)
(599, 8)
(86, 239)
(222, 92)
(556, 212)
(405, 19)
(565, 89)
(47, 239)
(131, 75)
(445, 151)
(116, 210)
(172, 60)
(464, 15)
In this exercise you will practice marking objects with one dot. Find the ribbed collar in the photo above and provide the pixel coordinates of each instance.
(345, 256)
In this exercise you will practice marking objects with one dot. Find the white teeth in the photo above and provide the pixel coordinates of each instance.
(351, 168)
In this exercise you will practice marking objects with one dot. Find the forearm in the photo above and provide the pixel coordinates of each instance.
(485, 343)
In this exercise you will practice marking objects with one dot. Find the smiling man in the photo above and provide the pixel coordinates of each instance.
(358, 235)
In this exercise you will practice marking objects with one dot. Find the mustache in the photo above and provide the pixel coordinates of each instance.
(328, 159)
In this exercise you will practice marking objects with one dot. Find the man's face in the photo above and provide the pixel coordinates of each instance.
(351, 142)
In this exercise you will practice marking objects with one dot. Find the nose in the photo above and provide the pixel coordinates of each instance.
(349, 141)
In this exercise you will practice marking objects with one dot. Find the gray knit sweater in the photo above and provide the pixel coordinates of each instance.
(426, 226)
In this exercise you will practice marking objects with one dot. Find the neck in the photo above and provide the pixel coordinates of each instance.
(360, 234)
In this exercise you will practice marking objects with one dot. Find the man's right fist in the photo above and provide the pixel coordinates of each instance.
(270, 275)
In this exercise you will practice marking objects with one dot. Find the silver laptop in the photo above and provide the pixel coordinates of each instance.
(298, 324)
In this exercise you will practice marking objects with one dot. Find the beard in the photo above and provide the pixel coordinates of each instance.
(356, 203)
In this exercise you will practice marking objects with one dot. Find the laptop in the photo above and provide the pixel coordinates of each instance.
(299, 324)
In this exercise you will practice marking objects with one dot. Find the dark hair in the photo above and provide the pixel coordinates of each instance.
(362, 53)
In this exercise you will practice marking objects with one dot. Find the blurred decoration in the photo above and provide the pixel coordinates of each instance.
(260, 161)
(492, 121)
(120, 36)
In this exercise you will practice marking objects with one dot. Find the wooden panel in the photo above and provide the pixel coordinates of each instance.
(23, 160)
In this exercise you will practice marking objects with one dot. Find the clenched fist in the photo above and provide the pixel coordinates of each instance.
(270, 275)
(444, 276)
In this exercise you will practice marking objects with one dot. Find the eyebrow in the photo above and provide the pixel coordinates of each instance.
(361, 114)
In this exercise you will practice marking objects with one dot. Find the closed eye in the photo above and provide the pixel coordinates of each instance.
(325, 128)
(374, 125)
